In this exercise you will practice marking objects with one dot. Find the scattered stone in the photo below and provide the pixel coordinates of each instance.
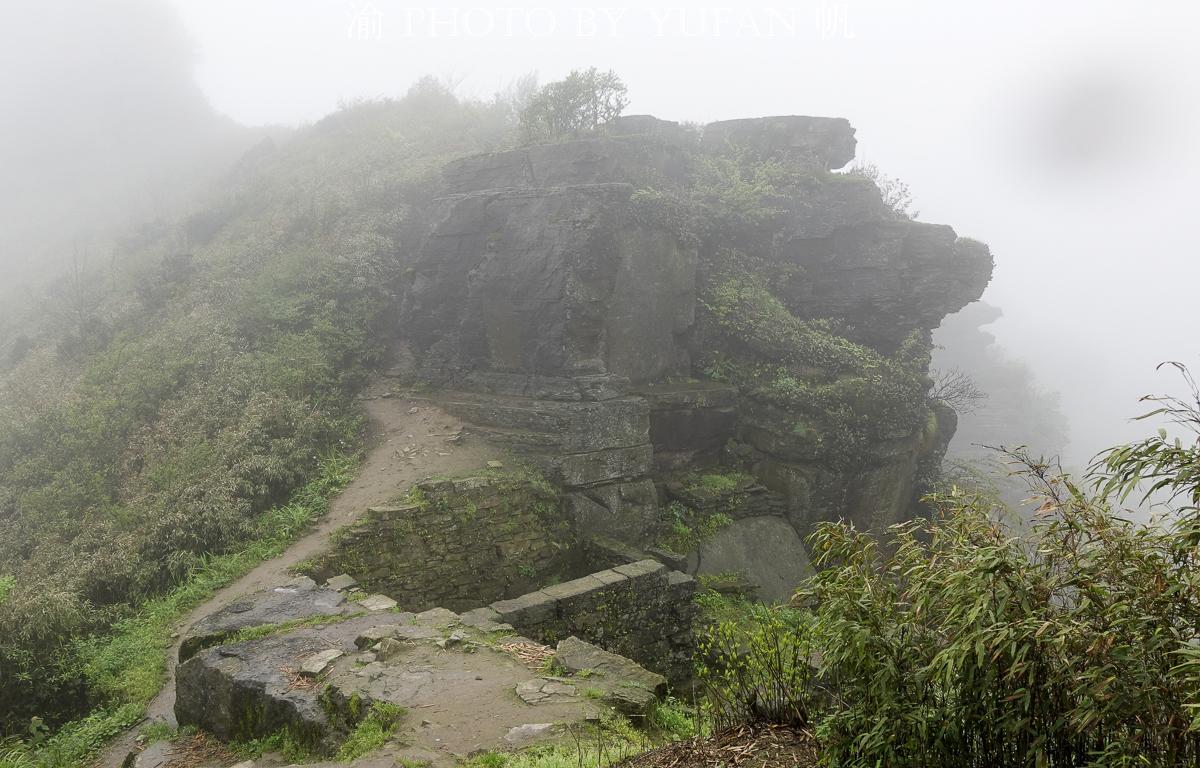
(390, 648)
(342, 582)
(458, 637)
(316, 664)
(378, 603)
(437, 617)
(523, 734)
(370, 637)
(414, 410)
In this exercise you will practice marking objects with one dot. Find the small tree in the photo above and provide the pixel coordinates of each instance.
(894, 192)
(582, 101)
(957, 390)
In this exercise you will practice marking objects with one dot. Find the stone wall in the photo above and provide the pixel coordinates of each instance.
(455, 543)
(642, 610)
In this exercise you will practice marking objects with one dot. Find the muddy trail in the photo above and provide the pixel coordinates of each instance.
(407, 441)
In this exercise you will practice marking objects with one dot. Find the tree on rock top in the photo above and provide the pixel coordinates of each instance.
(580, 102)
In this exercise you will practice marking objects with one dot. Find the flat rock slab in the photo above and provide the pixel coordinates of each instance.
(315, 665)
(529, 732)
(464, 692)
(294, 600)
(543, 691)
(341, 583)
(377, 603)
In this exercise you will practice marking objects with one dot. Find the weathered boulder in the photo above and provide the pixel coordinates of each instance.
(767, 550)
(626, 686)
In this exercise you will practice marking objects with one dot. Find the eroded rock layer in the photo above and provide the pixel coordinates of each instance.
(657, 298)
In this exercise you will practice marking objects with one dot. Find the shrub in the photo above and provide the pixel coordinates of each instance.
(584, 100)
(758, 670)
(952, 642)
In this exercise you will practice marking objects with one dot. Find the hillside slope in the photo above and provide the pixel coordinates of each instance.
(672, 325)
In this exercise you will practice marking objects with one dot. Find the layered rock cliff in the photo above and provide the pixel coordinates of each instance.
(655, 301)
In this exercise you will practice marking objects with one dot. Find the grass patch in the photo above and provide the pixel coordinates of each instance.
(293, 748)
(372, 732)
(269, 630)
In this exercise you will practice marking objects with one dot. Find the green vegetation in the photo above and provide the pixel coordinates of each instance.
(124, 668)
(161, 419)
(595, 746)
(582, 101)
(953, 642)
(372, 732)
(687, 530)
(270, 630)
(286, 742)
(842, 396)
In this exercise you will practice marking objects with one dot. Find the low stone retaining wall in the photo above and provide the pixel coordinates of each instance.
(641, 610)
(456, 542)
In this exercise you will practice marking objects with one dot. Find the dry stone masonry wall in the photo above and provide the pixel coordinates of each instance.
(456, 543)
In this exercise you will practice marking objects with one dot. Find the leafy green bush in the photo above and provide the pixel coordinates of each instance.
(758, 669)
(954, 643)
(124, 668)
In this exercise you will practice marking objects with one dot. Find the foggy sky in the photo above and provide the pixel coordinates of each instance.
(1061, 133)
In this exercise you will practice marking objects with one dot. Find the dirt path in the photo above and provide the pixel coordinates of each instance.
(407, 441)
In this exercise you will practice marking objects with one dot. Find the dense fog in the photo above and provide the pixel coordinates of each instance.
(1060, 134)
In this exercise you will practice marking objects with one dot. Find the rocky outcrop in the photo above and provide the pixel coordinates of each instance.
(557, 303)
(550, 281)
(890, 277)
(827, 141)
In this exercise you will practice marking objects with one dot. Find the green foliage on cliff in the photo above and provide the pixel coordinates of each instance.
(199, 380)
(841, 396)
